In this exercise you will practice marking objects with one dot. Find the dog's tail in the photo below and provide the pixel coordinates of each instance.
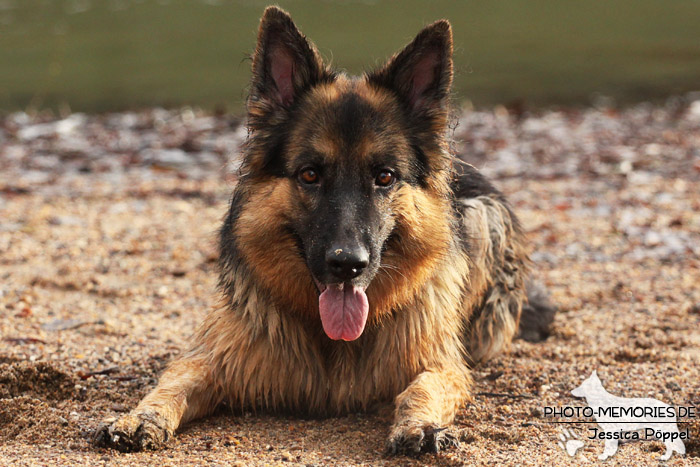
(537, 315)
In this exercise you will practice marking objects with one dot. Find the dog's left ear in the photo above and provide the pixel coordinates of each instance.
(285, 63)
(421, 74)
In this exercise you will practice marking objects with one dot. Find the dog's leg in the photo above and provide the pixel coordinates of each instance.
(609, 449)
(184, 392)
(499, 271)
(216, 367)
(496, 245)
(673, 445)
(188, 389)
(537, 315)
(426, 408)
(669, 451)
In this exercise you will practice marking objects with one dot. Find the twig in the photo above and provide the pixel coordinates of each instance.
(106, 371)
(24, 340)
(504, 394)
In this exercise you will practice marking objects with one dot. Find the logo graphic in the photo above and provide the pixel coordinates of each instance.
(622, 418)
(569, 442)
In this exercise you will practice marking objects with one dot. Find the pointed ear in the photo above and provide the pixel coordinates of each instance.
(594, 374)
(421, 74)
(285, 64)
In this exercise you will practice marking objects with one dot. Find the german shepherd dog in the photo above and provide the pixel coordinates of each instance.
(360, 262)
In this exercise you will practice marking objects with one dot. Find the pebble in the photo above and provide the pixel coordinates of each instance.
(586, 217)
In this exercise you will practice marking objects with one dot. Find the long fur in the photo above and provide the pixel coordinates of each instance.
(448, 293)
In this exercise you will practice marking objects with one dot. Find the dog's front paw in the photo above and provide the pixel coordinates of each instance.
(414, 437)
(133, 432)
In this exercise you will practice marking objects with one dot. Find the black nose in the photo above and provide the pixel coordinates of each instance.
(347, 263)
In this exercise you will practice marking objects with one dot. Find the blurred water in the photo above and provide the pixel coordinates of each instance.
(99, 55)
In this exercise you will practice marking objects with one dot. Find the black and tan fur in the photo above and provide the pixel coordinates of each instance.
(447, 260)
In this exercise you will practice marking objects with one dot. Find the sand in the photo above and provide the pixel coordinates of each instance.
(108, 257)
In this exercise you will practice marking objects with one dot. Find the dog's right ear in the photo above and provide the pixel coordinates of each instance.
(285, 64)
(421, 74)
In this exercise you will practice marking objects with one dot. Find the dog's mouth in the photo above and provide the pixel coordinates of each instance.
(343, 308)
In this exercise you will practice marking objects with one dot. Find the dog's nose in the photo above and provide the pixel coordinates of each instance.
(347, 263)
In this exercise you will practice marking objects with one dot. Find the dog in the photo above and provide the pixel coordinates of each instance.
(360, 262)
(615, 424)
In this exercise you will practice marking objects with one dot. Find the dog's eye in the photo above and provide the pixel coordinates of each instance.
(385, 178)
(308, 176)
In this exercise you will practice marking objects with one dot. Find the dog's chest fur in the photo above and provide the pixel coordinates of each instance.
(289, 363)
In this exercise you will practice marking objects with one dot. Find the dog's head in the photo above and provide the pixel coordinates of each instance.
(347, 177)
(589, 387)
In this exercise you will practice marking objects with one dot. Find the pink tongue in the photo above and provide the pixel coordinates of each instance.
(344, 311)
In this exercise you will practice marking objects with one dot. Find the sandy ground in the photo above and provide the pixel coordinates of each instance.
(107, 262)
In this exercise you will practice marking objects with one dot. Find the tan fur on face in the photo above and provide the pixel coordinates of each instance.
(315, 127)
(423, 236)
(422, 216)
(270, 250)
